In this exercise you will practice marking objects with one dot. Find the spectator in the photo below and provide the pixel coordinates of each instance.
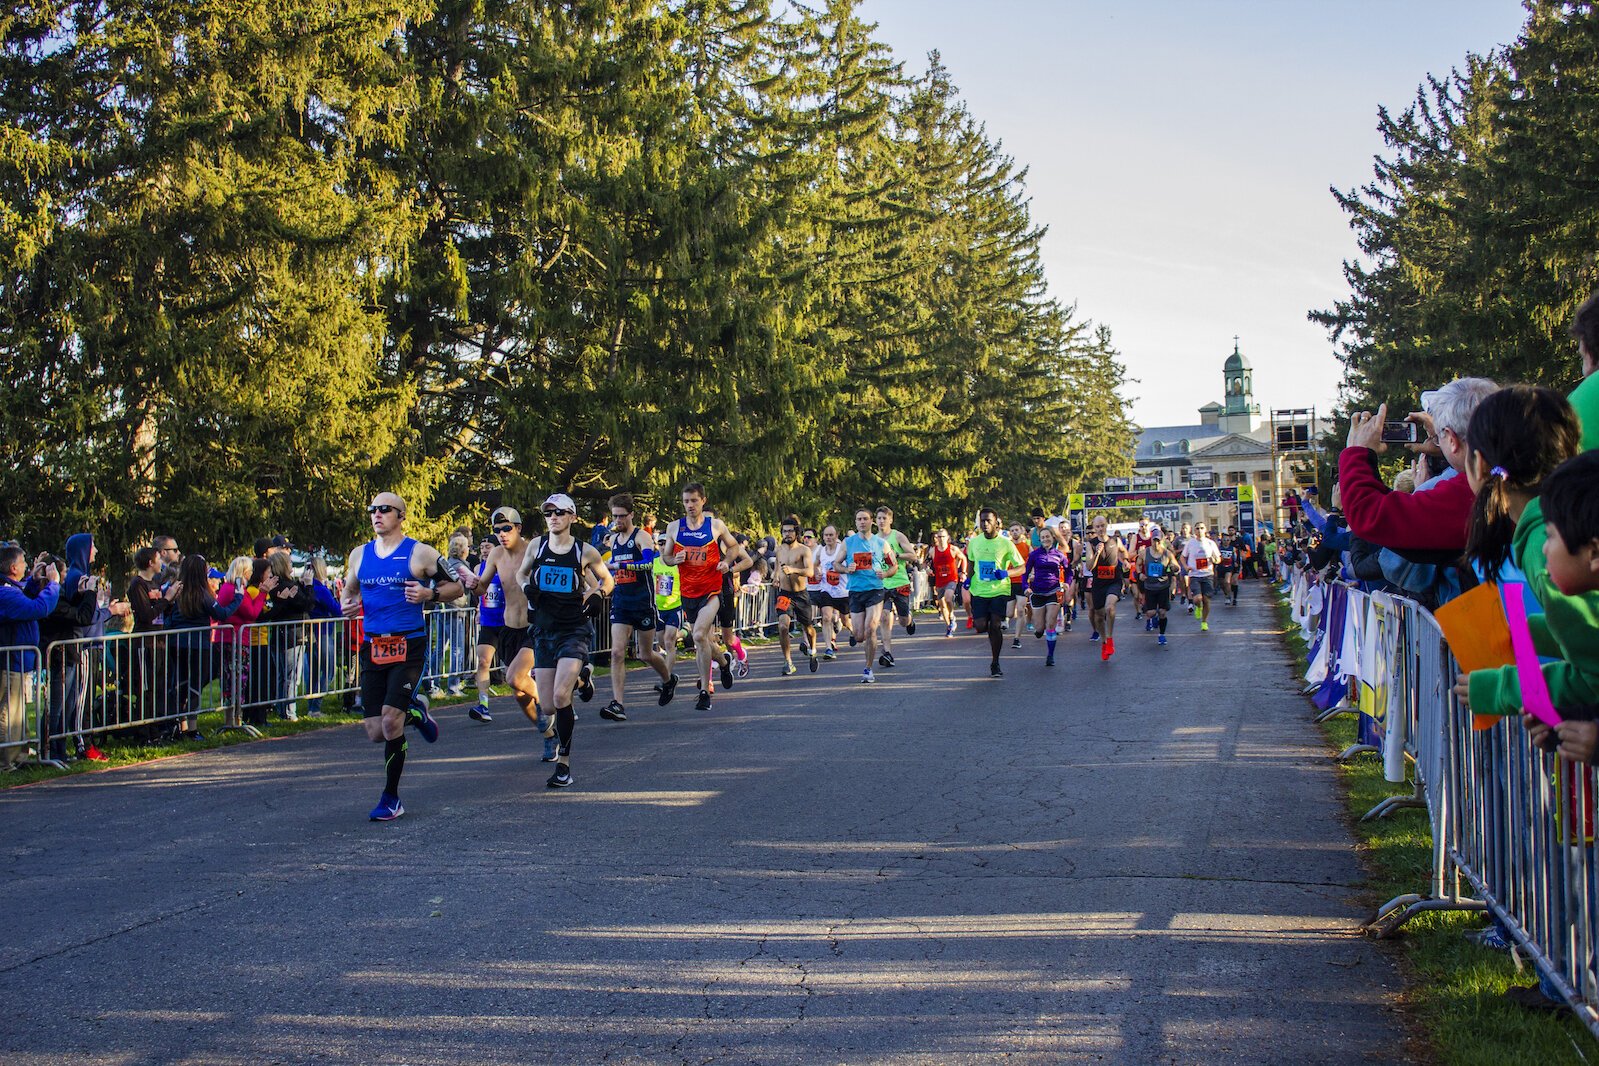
(1436, 516)
(193, 659)
(261, 684)
(322, 652)
(238, 585)
(290, 605)
(1585, 397)
(149, 681)
(1556, 545)
(22, 605)
(80, 616)
(601, 531)
(167, 555)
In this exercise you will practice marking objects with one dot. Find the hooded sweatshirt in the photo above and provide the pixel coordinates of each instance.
(1568, 628)
(77, 556)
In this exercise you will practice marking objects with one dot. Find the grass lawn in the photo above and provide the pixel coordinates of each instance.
(1454, 988)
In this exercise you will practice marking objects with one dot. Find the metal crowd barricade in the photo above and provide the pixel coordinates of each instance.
(1511, 825)
(20, 694)
(126, 683)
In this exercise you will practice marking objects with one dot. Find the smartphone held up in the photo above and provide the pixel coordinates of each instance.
(1401, 433)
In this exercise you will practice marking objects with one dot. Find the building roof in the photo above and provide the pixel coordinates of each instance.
(1236, 361)
(1169, 437)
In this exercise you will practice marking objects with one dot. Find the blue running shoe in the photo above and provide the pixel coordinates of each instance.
(418, 716)
(1094, 635)
(388, 808)
(551, 745)
(1162, 640)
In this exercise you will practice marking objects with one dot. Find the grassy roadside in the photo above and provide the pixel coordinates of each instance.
(1454, 988)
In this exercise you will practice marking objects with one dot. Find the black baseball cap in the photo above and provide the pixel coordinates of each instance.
(261, 546)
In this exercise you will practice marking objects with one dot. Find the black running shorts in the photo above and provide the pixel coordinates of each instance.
(392, 684)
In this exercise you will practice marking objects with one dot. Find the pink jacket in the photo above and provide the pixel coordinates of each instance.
(250, 610)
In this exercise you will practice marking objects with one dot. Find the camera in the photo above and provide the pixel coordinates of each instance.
(1401, 433)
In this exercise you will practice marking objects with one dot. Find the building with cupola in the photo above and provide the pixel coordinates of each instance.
(1229, 446)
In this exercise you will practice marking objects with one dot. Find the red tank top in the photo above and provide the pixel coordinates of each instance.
(944, 569)
(701, 554)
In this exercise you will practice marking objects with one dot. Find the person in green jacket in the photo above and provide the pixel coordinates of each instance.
(1556, 545)
(1585, 397)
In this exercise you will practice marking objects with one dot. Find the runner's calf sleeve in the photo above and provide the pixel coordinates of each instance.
(996, 639)
(1163, 623)
(565, 722)
(393, 764)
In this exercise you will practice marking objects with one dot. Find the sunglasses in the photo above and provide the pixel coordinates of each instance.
(503, 529)
(620, 514)
(553, 511)
(383, 508)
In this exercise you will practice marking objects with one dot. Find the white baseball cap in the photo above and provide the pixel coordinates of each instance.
(561, 501)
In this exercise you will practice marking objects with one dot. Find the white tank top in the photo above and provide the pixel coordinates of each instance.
(826, 577)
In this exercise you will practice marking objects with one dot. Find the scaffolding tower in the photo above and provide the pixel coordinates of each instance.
(1295, 443)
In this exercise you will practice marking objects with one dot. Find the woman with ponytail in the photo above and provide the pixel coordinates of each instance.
(1516, 438)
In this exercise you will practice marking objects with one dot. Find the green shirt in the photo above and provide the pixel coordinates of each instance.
(1585, 399)
(899, 578)
(668, 592)
(991, 559)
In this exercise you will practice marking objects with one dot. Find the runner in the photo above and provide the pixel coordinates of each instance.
(795, 567)
(1241, 559)
(948, 565)
(668, 602)
(896, 586)
(1226, 567)
(1021, 614)
(1046, 576)
(499, 607)
(703, 551)
(1159, 568)
(867, 559)
(1200, 556)
(1180, 548)
(559, 573)
(514, 643)
(1110, 573)
(632, 608)
(733, 656)
(994, 561)
(384, 586)
(1036, 534)
(833, 590)
(1141, 541)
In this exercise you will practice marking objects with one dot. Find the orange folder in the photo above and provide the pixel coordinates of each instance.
(1475, 626)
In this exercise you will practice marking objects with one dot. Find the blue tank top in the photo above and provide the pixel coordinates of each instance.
(867, 555)
(491, 608)
(383, 593)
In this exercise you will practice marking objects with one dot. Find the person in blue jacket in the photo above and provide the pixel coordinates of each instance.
(80, 615)
(22, 604)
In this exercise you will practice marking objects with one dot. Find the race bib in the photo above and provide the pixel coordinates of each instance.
(863, 560)
(1202, 563)
(1105, 573)
(664, 584)
(832, 577)
(695, 556)
(386, 651)
(626, 577)
(1155, 569)
(494, 597)
(988, 571)
(783, 604)
(557, 579)
(1227, 556)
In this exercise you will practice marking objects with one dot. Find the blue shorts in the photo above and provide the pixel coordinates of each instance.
(672, 619)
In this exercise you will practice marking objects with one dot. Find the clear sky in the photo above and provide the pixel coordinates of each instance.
(1181, 152)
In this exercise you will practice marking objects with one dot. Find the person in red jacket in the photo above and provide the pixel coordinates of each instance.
(1432, 519)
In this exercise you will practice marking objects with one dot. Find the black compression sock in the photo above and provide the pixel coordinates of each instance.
(565, 723)
(393, 764)
(1163, 624)
(995, 638)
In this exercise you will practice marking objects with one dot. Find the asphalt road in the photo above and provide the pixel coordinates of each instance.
(1142, 861)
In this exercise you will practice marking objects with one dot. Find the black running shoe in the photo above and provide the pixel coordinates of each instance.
(1038, 634)
(614, 712)
(703, 701)
(585, 683)
(725, 665)
(814, 663)
(994, 670)
(667, 689)
(1016, 642)
(910, 628)
(561, 778)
